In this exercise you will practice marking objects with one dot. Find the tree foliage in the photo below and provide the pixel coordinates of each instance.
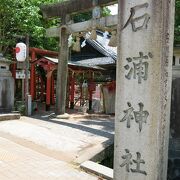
(21, 17)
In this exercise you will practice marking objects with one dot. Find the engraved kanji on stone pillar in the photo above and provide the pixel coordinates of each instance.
(139, 116)
(138, 161)
(128, 162)
(128, 115)
(138, 67)
(134, 20)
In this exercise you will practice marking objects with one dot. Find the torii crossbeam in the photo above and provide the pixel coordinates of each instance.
(72, 7)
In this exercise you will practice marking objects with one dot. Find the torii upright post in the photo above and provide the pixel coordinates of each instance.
(62, 72)
(143, 93)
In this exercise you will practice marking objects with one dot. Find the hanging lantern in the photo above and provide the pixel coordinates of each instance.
(93, 35)
(76, 47)
(21, 52)
(113, 39)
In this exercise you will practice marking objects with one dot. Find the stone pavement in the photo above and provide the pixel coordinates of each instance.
(41, 149)
(20, 163)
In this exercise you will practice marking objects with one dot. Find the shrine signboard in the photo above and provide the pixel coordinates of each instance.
(143, 89)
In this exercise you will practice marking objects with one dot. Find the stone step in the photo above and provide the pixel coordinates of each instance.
(98, 169)
(9, 116)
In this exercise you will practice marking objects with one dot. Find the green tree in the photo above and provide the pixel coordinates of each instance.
(20, 17)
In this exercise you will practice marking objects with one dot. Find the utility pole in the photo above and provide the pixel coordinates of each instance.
(22, 55)
(26, 75)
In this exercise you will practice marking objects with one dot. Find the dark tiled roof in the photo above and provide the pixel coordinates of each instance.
(78, 64)
(97, 61)
(101, 44)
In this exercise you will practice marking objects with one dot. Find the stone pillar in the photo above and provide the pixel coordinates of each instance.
(145, 44)
(33, 76)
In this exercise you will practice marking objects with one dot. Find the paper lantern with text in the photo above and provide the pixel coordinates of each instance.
(20, 52)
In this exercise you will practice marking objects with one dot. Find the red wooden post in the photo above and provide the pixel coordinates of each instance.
(72, 91)
(42, 88)
(36, 95)
(48, 91)
(32, 76)
(52, 90)
(37, 81)
(35, 88)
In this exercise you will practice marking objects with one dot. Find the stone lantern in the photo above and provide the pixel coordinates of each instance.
(6, 86)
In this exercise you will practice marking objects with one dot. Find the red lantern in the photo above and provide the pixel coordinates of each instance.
(20, 52)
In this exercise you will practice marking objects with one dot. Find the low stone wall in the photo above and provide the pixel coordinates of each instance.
(9, 116)
(6, 94)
